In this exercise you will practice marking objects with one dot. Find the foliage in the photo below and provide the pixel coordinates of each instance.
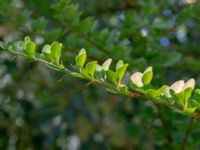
(37, 112)
(177, 96)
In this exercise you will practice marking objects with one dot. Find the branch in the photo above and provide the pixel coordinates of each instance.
(177, 96)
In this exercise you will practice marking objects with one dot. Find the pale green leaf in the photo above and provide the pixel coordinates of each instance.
(119, 64)
(91, 67)
(106, 64)
(147, 77)
(30, 48)
(120, 72)
(81, 58)
(56, 51)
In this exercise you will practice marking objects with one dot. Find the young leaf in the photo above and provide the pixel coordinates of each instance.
(123, 89)
(119, 64)
(56, 51)
(46, 51)
(30, 48)
(81, 58)
(152, 93)
(111, 76)
(106, 64)
(147, 77)
(178, 86)
(120, 72)
(78, 75)
(189, 84)
(85, 73)
(55, 67)
(187, 94)
(178, 97)
(91, 67)
(112, 90)
(162, 90)
(98, 68)
(190, 110)
(156, 93)
(136, 80)
(99, 73)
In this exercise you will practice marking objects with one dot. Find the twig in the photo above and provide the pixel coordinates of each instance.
(129, 93)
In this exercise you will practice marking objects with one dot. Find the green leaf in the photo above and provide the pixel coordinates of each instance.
(99, 68)
(123, 90)
(167, 91)
(81, 58)
(78, 75)
(162, 90)
(56, 51)
(187, 94)
(152, 93)
(120, 72)
(111, 76)
(55, 67)
(147, 77)
(119, 64)
(112, 90)
(190, 110)
(156, 93)
(30, 48)
(106, 64)
(133, 86)
(85, 73)
(99, 73)
(91, 67)
(178, 98)
(46, 51)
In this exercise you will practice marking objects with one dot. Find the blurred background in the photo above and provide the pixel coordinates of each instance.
(38, 110)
